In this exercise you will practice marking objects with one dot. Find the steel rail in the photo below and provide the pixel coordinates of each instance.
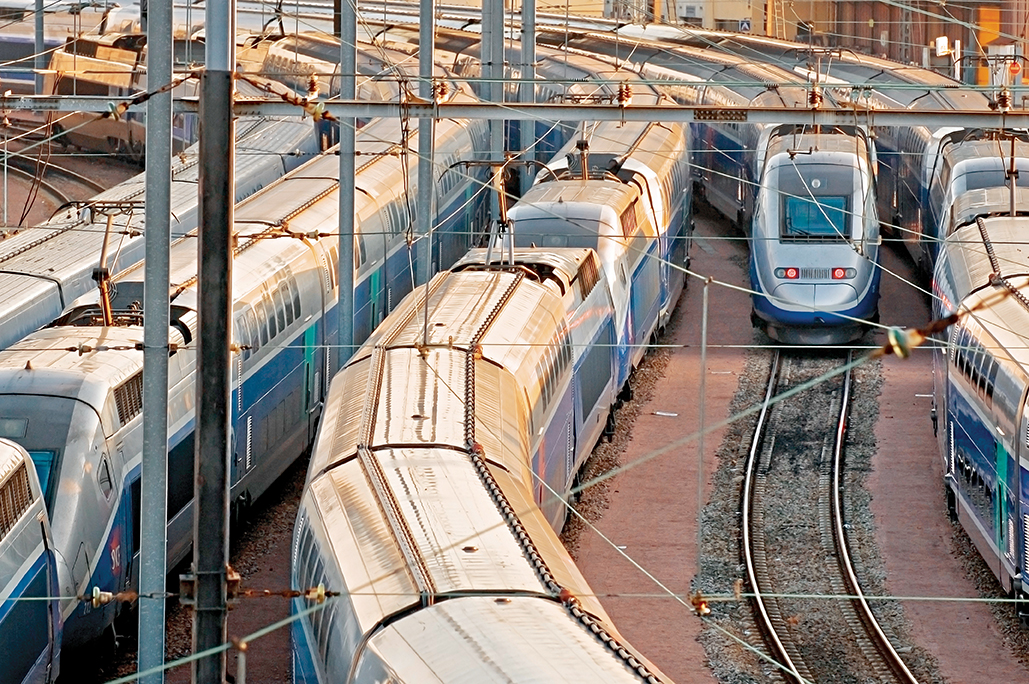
(767, 612)
(853, 586)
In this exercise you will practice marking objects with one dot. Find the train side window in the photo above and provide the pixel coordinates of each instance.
(103, 477)
(295, 289)
(262, 320)
(280, 307)
(243, 335)
(269, 312)
(334, 259)
(255, 340)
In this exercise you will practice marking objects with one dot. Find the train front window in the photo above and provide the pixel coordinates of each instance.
(818, 218)
(45, 426)
(44, 462)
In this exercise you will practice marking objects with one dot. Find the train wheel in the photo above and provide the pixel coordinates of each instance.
(1022, 608)
(952, 504)
(609, 427)
(240, 510)
(626, 393)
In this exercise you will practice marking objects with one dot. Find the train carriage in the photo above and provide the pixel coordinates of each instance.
(421, 498)
(83, 407)
(980, 402)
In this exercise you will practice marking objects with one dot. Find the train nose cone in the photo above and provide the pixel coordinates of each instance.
(835, 297)
(795, 294)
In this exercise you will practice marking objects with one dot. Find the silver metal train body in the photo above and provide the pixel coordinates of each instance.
(814, 258)
(30, 625)
(738, 171)
(83, 407)
(981, 377)
(969, 165)
(625, 191)
(46, 267)
(419, 503)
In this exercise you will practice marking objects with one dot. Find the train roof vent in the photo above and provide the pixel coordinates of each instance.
(15, 498)
(128, 396)
(588, 276)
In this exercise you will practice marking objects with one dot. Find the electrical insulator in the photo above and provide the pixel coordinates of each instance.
(624, 94)
(814, 97)
(1004, 100)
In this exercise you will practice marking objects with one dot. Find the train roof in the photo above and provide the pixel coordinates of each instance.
(573, 199)
(996, 153)
(810, 147)
(987, 202)
(528, 639)
(1001, 316)
(563, 261)
(969, 262)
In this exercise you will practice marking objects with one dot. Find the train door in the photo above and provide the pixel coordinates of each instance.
(1022, 499)
(312, 381)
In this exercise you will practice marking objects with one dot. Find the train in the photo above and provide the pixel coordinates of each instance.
(737, 170)
(44, 268)
(814, 264)
(625, 191)
(980, 407)
(30, 615)
(451, 441)
(80, 411)
(419, 502)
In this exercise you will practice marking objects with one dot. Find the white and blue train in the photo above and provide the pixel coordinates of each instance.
(30, 625)
(451, 441)
(981, 378)
(43, 269)
(814, 258)
(438, 440)
(79, 411)
(738, 169)
(623, 190)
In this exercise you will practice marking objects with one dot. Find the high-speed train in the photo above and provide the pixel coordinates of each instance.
(79, 411)
(30, 625)
(814, 264)
(970, 163)
(451, 441)
(738, 168)
(43, 269)
(420, 504)
(981, 375)
(623, 190)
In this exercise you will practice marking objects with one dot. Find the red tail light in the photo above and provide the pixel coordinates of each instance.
(839, 273)
(789, 273)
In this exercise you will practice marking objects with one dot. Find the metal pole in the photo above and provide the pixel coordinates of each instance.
(701, 419)
(528, 89)
(347, 147)
(493, 71)
(154, 477)
(39, 47)
(211, 488)
(426, 59)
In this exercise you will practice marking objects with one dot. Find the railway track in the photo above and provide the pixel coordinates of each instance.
(51, 190)
(792, 442)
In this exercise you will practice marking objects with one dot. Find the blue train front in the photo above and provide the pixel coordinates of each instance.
(814, 263)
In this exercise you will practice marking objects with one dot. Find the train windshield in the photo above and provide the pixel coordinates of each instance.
(816, 200)
(554, 232)
(821, 217)
(43, 429)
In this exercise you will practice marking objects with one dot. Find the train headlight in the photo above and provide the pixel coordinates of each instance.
(843, 273)
(789, 273)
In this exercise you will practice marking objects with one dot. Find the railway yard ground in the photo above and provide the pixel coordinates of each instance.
(649, 512)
